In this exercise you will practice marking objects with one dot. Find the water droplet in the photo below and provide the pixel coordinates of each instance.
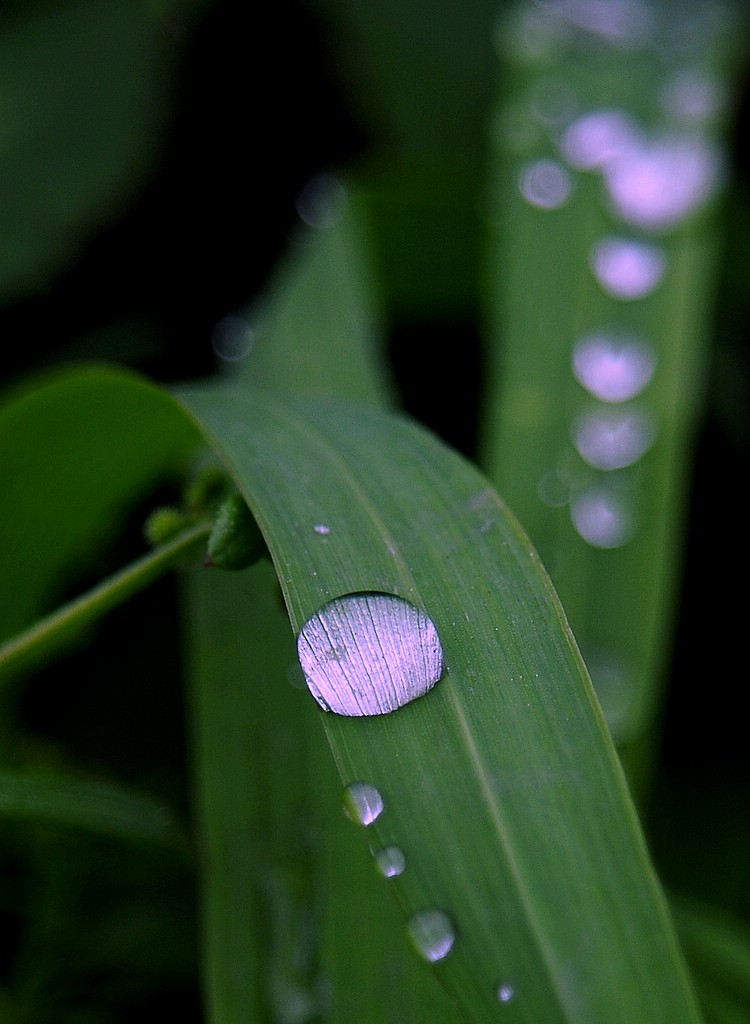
(232, 338)
(369, 654)
(656, 184)
(390, 861)
(505, 992)
(553, 101)
(627, 269)
(322, 529)
(432, 933)
(602, 518)
(362, 803)
(624, 23)
(597, 138)
(553, 491)
(613, 369)
(614, 438)
(321, 202)
(545, 184)
(689, 95)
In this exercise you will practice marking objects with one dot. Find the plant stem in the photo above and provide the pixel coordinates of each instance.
(52, 632)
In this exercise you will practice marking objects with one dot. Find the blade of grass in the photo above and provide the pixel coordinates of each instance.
(543, 300)
(317, 330)
(83, 803)
(497, 784)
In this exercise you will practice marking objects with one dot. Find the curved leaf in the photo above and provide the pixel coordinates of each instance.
(501, 786)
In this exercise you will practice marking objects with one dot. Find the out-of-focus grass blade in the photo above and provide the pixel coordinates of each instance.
(82, 803)
(605, 133)
(318, 329)
(717, 949)
(501, 786)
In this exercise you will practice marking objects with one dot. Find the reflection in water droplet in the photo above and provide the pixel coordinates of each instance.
(613, 369)
(627, 269)
(614, 438)
(432, 933)
(369, 654)
(655, 185)
(598, 138)
(505, 992)
(362, 803)
(390, 861)
(545, 184)
(602, 518)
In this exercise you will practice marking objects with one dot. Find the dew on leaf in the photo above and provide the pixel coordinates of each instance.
(611, 368)
(369, 654)
(390, 861)
(362, 803)
(432, 934)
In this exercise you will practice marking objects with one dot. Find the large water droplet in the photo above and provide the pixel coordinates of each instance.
(390, 861)
(362, 803)
(656, 184)
(627, 269)
(545, 184)
(613, 369)
(614, 438)
(432, 933)
(369, 654)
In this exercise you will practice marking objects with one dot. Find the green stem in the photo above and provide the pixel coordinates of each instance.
(52, 632)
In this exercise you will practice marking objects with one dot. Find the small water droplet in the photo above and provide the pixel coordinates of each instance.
(390, 861)
(599, 137)
(553, 101)
(545, 184)
(602, 518)
(627, 24)
(614, 438)
(505, 992)
(369, 654)
(611, 368)
(552, 490)
(432, 933)
(232, 338)
(627, 269)
(321, 202)
(362, 803)
(322, 529)
(689, 95)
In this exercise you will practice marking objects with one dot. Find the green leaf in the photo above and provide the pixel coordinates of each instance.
(84, 94)
(501, 786)
(608, 527)
(76, 449)
(282, 938)
(104, 807)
